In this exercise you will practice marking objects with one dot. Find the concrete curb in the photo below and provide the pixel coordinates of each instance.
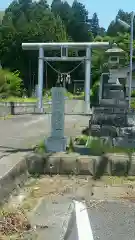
(73, 163)
(17, 108)
(68, 226)
(13, 174)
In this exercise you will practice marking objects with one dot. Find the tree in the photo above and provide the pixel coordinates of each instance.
(115, 27)
(43, 26)
(36, 21)
(80, 21)
(95, 25)
(56, 6)
(10, 83)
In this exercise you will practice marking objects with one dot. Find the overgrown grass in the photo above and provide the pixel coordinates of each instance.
(40, 148)
(46, 97)
(117, 180)
(133, 104)
(74, 96)
(6, 117)
(96, 144)
(70, 147)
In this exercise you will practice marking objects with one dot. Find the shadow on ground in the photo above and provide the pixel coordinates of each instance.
(15, 150)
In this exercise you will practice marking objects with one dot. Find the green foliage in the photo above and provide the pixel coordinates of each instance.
(94, 93)
(19, 99)
(115, 27)
(36, 21)
(133, 94)
(81, 140)
(10, 83)
(71, 146)
(1, 16)
(97, 146)
(40, 148)
(133, 104)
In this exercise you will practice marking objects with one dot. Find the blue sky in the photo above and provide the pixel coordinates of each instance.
(105, 9)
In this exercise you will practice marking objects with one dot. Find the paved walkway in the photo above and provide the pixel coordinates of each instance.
(21, 132)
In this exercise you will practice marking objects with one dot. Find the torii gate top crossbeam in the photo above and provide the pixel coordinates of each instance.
(58, 45)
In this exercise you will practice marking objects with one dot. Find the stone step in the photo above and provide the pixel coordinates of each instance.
(112, 110)
(113, 103)
(124, 142)
(117, 120)
(104, 130)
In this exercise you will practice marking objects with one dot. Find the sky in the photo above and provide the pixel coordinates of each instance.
(106, 9)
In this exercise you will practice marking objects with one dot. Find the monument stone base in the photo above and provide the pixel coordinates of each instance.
(56, 144)
(124, 142)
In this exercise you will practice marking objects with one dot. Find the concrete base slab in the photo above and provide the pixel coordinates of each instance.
(51, 218)
(56, 144)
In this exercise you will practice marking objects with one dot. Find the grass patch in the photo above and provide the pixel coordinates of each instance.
(74, 96)
(70, 147)
(46, 97)
(40, 148)
(17, 99)
(115, 180)
(6, 117)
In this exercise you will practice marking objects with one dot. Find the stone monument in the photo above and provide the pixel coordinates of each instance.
(113, 119)
(57, 142)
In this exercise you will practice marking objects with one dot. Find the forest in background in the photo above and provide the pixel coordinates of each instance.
(28, 21)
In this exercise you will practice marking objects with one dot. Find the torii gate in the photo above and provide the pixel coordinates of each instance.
(64, 47)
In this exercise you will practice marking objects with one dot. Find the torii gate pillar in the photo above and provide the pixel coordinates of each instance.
(40, 78)
(87, 79)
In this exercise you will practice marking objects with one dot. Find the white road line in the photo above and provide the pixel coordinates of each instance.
(46, 118)
(82, 221)
(34, 121)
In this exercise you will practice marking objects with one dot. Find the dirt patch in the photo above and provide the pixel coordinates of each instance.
(13, 222)
(73, 186)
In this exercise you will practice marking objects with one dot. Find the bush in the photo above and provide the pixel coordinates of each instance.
(95, 94)
(98, 146)
(81, 140)
(133, 94)
(133, 104)
(10, 83)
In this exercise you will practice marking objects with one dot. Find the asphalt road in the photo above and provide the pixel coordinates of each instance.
(21, 132)
(110, 221)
